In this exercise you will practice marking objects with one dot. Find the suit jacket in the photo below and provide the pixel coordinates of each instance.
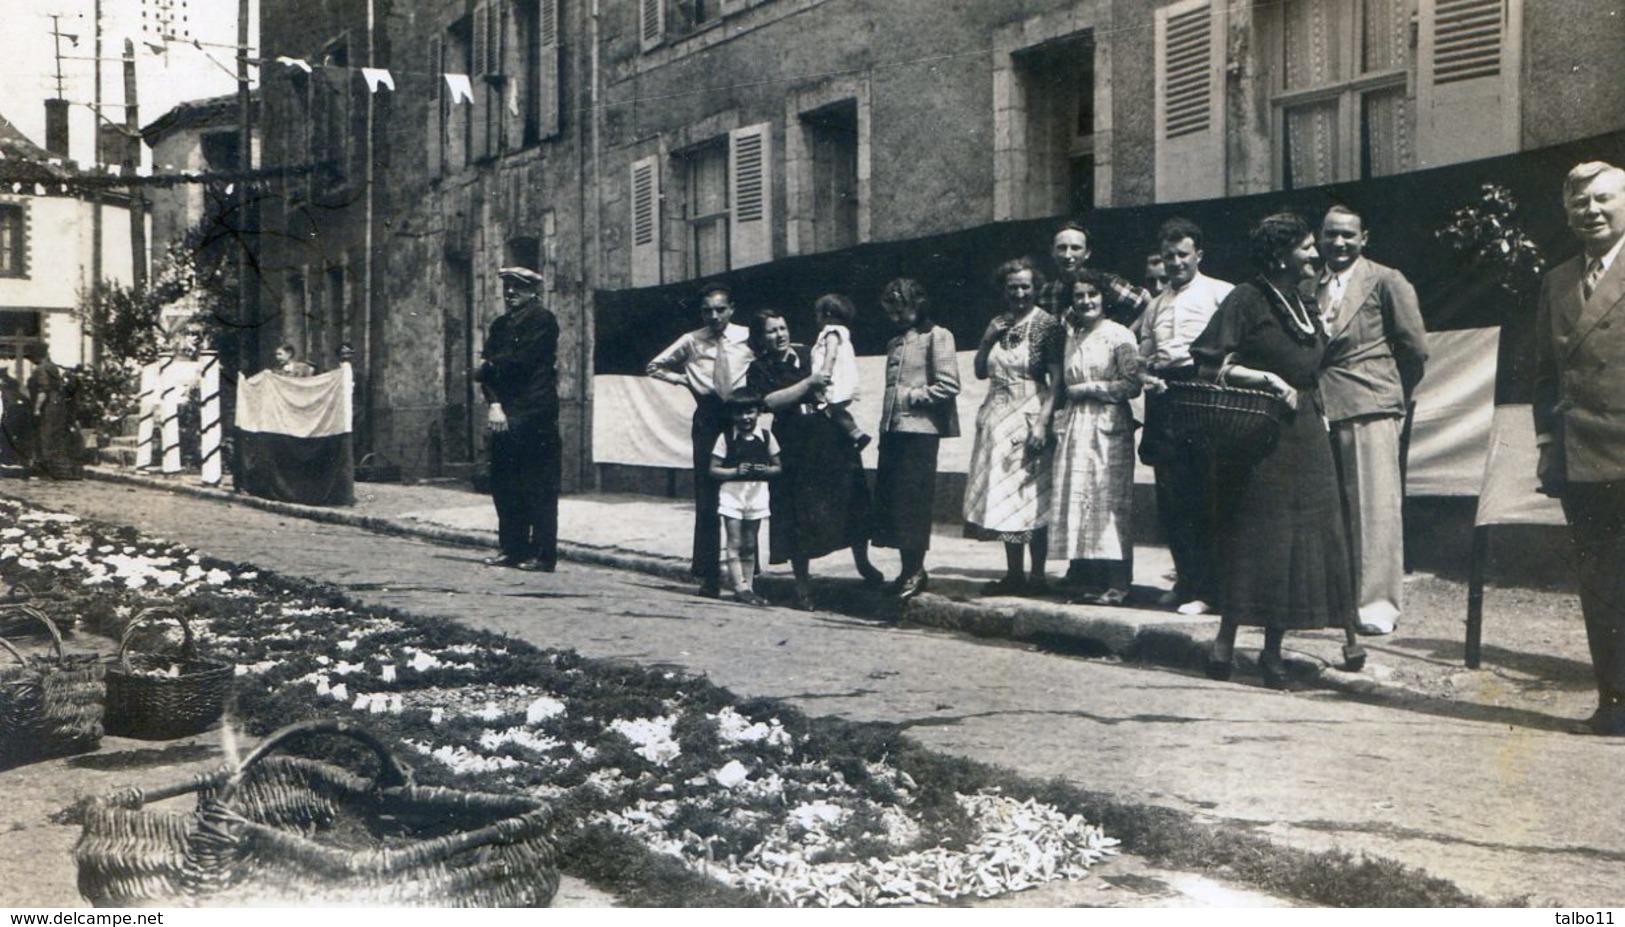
(1376, 344)
(1580, 370)
(922, 381)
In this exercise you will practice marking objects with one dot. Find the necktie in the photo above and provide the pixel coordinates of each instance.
(1593, 275)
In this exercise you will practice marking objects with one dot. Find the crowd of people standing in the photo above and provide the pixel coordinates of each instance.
(1304, 533)
(38, 432)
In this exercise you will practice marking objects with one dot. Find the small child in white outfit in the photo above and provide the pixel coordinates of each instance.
(744, 459)
(832, 355)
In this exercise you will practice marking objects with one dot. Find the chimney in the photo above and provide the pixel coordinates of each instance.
(56, 128)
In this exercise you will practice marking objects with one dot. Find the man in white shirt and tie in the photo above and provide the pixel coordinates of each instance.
(1184, 471)
(710, 361)
(1580, 418)
(1375, 352)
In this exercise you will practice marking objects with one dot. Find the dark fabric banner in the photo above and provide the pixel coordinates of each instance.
(1403, 214)
(310, 471)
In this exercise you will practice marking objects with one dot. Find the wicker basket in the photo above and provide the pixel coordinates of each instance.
(50, 705)
(280, 830)
(155, 697)
(1236, 425)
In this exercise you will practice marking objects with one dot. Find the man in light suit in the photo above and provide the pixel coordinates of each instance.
(1375, 354)
(1580, 418)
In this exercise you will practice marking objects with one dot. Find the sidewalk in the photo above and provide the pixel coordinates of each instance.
(1536, 666)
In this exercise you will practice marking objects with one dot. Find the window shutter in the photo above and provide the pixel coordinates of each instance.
(646, 222)
(1189, 103)
(437, 110)
(549, 89)
(1467, 79)
(651, 22)
(750, 195)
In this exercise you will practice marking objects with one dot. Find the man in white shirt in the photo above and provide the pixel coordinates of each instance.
(1184, 471)
(1580, 420)
(710, 361)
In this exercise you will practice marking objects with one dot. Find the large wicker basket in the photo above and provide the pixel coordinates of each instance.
(1236, 425)
(159, 697)
(283, 831)
(50, 704)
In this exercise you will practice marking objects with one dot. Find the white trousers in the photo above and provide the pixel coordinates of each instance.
(1368, 468)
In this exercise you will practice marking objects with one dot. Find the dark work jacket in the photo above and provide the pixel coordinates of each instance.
(520, 367)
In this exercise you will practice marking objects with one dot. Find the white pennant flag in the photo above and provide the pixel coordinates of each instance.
(54, 162)
(513, 97)
(39, 189)
(461, 90)
(141, 170)
(299, 63)
(377, 76)
(114, 170)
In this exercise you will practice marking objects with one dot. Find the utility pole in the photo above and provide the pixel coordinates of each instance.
(56, 36)
(132, 159)
(87, 347)
(247, 222)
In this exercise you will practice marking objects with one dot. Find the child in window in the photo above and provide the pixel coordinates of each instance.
(833, 357)
(745, 457)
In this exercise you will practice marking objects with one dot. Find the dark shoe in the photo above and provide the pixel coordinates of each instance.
(871, 576)
(1038, 586)
(803, 603)
(747, 597)
(1008, 584)
(1604, 722)
(1273, 669)
(536, 566)
(710, 590)
(501, 560)
(912, 585)
(1220, 670)
(1353, 658)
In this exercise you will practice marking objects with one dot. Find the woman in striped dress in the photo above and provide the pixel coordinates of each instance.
(1007, 496)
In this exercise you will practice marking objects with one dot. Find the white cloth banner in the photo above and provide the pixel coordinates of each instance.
(301, 407)
(377, 77)
(462, 91)
(642, 422)
(1508, 496)
(1454, 405)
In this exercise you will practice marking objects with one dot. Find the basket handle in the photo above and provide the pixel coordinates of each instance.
(6, 645)
(188, 648)
(32, 612)
(391, 774)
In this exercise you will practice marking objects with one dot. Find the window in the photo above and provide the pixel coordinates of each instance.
(1058, 82)
(332, 116)
(832, 140)
(530, 89)
(456, 133)
(645, 222)
(18, 331)
(1377, 87)
(13, 240)
(651, 23)
(1341, 109)
(488, 80)
(705, 200)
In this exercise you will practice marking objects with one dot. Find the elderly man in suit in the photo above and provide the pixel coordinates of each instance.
(1580, 418)
(1375, 353)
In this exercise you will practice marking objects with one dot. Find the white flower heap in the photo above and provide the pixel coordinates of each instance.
(751, 798)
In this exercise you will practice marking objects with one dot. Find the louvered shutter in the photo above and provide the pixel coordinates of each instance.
(645, 224)
(1467, 79)
(549, 90)
(437, 110)
(651, 22)
(1189, 103)
(750, 195)
(487, 107)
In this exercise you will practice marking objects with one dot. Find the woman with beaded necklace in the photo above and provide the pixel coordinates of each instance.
(1007, 493)
(1282, 549)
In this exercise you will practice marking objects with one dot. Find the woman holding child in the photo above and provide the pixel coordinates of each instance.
(821, 503)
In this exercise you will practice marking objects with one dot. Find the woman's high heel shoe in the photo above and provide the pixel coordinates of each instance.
(1273, 669)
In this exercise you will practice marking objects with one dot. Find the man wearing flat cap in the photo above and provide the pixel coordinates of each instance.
(518, 376)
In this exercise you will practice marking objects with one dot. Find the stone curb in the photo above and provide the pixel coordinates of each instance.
(1155, 638)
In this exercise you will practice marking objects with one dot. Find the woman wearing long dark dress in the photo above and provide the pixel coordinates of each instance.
(56, 441)
(1282, 548)
(15, 425)
(821, 502)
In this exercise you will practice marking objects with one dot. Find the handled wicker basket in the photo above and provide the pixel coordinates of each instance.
(1236, 425)
(283, 830)
(50, 704)
(156, 697)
